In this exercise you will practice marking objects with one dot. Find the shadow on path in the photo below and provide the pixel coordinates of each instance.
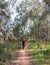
(21, 58)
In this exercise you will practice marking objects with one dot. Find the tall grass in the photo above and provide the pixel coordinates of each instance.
(6, 51)
(40, 55)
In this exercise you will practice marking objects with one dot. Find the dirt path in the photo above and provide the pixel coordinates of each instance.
(21, 58)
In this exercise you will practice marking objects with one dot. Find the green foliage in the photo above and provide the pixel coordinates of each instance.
(1, 49)
(10, 55)
(5, 55)
(32, 45)
(12, 46)
(6, 51)
(15, 46)
(31, 41)
(45, 52)
(40, 55)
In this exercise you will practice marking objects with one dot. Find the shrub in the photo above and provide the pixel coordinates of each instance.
(32, 41)
(45, 51)
(10, 55)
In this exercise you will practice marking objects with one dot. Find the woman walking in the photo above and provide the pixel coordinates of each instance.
(23, 43)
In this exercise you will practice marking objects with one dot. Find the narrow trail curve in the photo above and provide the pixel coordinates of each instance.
(21, 58)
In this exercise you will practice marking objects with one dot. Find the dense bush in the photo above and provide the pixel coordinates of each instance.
(12, 46)
(41, 55)
(5, 54)
(45, 52)
(31, 40)
(6, 51)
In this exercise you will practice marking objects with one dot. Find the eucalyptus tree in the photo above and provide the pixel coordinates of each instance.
(4, 14)
(47, 8)
(18, 12)
(24, 11)
(40, 28)
(48, 2)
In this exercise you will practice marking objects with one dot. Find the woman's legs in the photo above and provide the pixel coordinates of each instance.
(23, 45)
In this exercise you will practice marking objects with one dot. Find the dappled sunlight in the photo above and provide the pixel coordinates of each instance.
(23, 58)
